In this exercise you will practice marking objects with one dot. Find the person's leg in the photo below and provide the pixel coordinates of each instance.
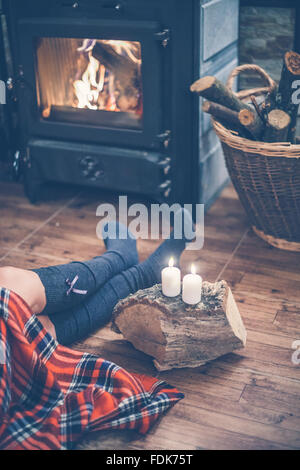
(121, 253)
(26, 284)
(70, 284)
(74, 324)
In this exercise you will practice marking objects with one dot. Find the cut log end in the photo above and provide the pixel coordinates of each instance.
(203, 84)
(206, 106)
(252, 122)
(292, 62)
(177, 335)
(277, 126)
(278, 119)
(246, 117)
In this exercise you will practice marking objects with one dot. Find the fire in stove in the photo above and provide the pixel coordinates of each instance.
(76, 77)
(112, 78)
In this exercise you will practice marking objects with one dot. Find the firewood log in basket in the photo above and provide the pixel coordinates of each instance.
(177, 335)
(272, 121)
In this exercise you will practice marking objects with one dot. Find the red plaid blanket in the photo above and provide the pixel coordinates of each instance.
(51, 395)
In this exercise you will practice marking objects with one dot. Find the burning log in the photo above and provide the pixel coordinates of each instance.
(290, 73)
(88, 116)
(177, 335)
(126, 71)
(277, 126)
(120, 65)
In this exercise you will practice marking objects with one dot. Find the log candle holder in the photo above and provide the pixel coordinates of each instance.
(177, 335)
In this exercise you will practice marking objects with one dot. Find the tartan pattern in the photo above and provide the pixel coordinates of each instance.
(50, 395)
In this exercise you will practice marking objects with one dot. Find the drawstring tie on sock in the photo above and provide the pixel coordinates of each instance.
(71, 284)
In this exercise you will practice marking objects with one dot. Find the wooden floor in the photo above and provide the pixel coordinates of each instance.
(246, 400)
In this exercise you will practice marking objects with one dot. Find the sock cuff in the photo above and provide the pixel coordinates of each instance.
(50, 280)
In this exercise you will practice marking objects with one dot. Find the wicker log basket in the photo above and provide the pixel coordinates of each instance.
(265, 175)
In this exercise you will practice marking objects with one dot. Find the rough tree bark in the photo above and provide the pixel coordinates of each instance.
(177, 335)
(226, 116)
(221, 113)
(212, 89)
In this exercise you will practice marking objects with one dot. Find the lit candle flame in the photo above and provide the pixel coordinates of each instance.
(171, 262)
(193, 269)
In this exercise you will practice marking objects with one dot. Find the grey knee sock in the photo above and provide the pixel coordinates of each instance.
(77, 323)
(71, 284)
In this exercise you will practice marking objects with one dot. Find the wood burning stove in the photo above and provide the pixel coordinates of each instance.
(104, 100)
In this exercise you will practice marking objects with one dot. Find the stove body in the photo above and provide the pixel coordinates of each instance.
(104, 99)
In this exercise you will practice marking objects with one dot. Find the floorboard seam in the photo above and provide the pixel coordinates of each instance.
(36, 230)
(242, 393)
(232, 254)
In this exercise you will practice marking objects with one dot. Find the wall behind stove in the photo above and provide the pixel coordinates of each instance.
(265, 35)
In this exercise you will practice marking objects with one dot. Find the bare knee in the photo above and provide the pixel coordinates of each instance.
(26, 284)
(8, 276)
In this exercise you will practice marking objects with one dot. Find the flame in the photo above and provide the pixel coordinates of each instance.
(171, 262)
(193, 269)
(88, 89)
(97, 88)
(46, 112)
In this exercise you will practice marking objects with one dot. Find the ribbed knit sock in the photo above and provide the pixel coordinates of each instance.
(75, 324)
(69, 285)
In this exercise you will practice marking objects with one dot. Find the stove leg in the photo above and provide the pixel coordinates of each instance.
(33, 183)
(33, 190)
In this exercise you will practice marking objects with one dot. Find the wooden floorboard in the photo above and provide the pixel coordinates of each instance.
(246, 400)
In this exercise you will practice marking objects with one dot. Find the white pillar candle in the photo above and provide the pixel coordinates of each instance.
(192, 288)
(171, 280)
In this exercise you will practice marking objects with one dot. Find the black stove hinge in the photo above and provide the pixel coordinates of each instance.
(163, 37)
(165, 188)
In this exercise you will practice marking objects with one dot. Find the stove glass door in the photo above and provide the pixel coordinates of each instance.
(90, 81)
(94, 81)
